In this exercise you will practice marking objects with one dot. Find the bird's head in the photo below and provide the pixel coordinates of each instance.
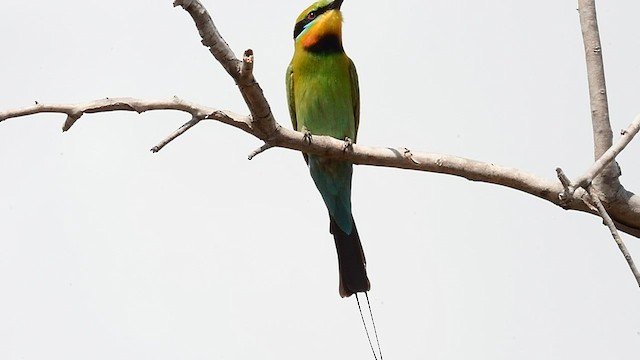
(319, 27)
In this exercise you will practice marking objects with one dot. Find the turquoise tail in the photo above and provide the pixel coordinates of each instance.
(333, 180)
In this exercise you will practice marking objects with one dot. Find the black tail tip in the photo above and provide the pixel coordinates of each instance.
(351, 260)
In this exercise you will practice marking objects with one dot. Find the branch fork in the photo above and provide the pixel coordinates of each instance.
(585, 180)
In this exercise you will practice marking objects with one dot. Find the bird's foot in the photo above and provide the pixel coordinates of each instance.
(307, 136)
(348, 144)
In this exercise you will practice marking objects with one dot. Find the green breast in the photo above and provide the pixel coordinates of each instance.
(323, 99)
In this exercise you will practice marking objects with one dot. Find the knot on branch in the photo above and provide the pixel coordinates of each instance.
(184, 3)
(72, 117)
(246, 69)
(409, 156)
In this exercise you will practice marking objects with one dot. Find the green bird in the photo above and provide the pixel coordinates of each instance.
(324, 99)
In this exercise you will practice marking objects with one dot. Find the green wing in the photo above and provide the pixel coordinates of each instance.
(290, 97)
(292, 103)
(355, 96)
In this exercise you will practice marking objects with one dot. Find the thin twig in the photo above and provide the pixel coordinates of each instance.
(585, 180)
(261, 149)
(568, 191)
(627, 135)
(181, 130)
(614, 232)
(564, 180)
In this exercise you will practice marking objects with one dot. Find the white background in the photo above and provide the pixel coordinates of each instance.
(108, 251)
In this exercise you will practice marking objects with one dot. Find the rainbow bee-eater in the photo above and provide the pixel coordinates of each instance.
(324, 99)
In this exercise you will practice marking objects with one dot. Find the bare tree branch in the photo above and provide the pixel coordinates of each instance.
(263, 121)
(400, 157)
(323, 145)
(608, 183)
(261, 124)
(621, 204)
(614, 232)
(76, 111)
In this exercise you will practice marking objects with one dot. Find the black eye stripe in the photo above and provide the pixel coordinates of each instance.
(302, 23)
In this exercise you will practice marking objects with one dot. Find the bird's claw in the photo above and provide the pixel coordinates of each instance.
(348, 144)
(307, 136)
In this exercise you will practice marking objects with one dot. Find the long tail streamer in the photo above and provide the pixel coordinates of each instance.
(366, 329)
(375, 332)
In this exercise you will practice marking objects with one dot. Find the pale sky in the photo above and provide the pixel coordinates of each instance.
(108, 251)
